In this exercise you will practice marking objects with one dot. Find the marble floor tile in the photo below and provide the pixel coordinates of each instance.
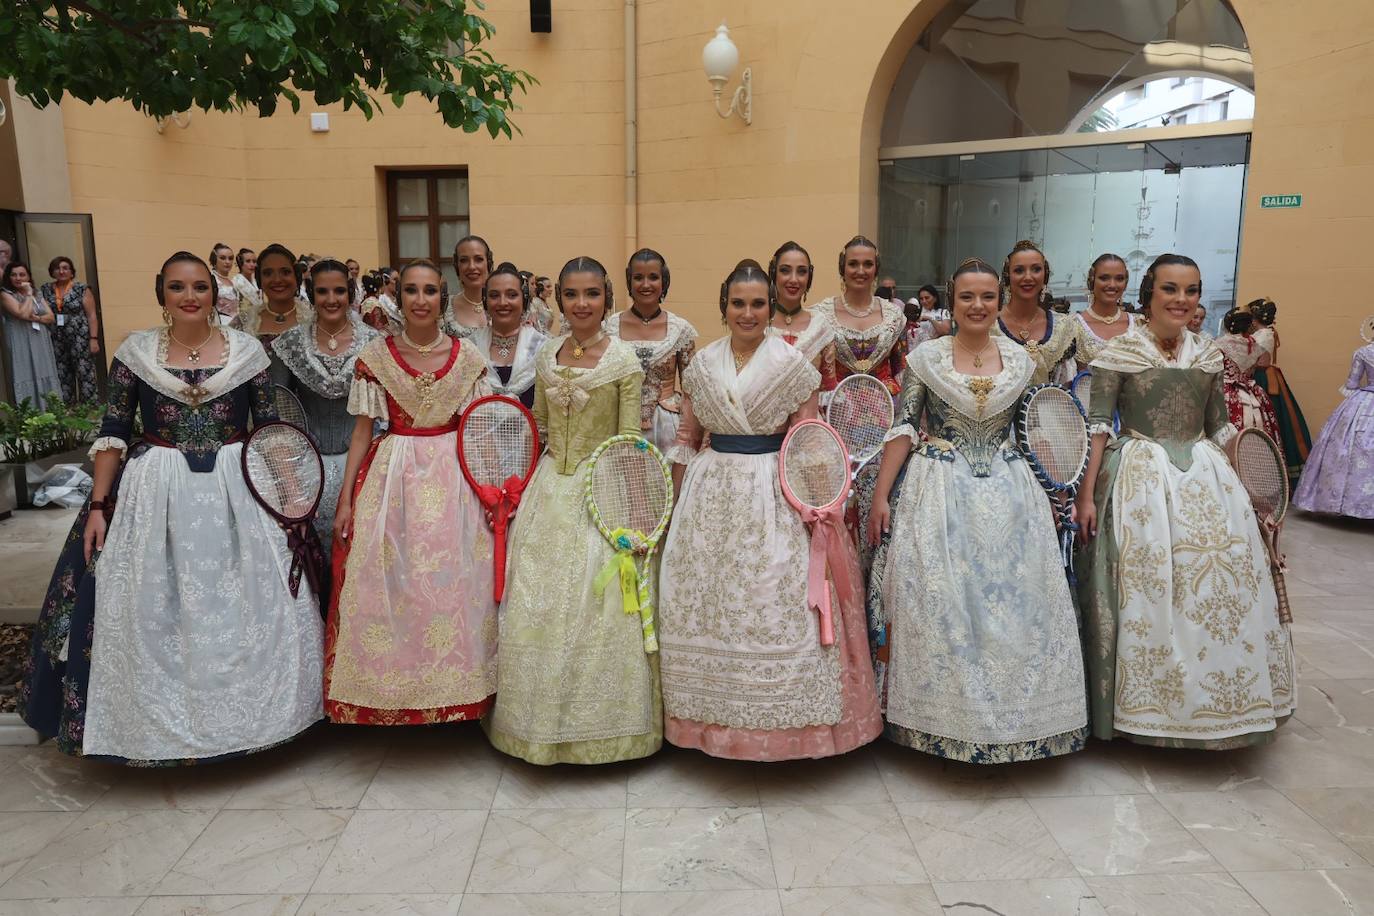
(1169, 770)
(44, 779)
(983, 840)
(607, 904)
(1332, 892)
(72, 906)
(254, 852)
(1347, 813)
(108, 854)
(1027, 897)
(911, 776)
(1090, 772)
(1334, 653)
(524, 785)
(403, 852)
(1326, 702)
(23, 835)
(1176, 895)
(834, 845)
(223, 905)
(1122, 835)
(876, 900)
(701, 903)
(541, 850)
(1258, 830)
(688, 779)
(691, 849)
(381, 905)
(436, 775)
(1311, 758)
(850, 779)
(204, 788)
(321, 770)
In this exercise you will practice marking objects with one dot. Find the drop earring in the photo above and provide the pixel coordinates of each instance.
(166, 317)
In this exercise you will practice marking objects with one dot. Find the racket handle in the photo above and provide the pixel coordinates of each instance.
(1281, 590)
(498, 553)
(646, 610)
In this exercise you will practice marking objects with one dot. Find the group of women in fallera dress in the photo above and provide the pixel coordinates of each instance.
(170, 634)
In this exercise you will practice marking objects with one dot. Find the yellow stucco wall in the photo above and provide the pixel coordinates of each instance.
(713, 191)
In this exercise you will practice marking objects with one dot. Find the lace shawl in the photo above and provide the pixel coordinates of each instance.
(1135, 351)
(756, 401)
(882, 335)
(145, 353)
(328, 375)
(522, 367)
(819, 334)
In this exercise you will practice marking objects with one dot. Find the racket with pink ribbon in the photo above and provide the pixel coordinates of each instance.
(814, 469)
(498, 447)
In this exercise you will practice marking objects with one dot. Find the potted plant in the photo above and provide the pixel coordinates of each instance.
(32, 441)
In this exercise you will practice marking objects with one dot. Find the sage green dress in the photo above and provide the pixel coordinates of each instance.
(574, 684)
(1183, 643)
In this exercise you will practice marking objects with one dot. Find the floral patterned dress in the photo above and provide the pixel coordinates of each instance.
(412, 625)
(984, 663)
(664, 361)
(1247, 404)
(182, 643)
(71, 342)
(1054, 353)
(1181, 630)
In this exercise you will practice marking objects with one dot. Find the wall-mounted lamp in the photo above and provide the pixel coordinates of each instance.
(180, 119)
(720, 57)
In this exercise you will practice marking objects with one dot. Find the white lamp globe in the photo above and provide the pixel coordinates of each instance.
(720, 57)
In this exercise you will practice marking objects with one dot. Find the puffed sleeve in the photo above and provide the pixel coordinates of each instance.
(118, 424)
(689, 435)
(1102, 397)
(686, 351)
(909, 410)
(367, 397)
(630, 388)
(1216, 420)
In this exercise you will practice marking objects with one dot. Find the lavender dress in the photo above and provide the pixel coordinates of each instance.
(1339, 475)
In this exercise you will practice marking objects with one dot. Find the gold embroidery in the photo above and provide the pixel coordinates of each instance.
(441, 635)
(1140, 690)
(980, 386)
(376, 640)
(1232, 695)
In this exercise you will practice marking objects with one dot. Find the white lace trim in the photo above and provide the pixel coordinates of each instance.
(680, 454)
(1224, 435)
(144, 353)
(679, 334)
(1135, 351)
(522, 370)
(105, 443)
(898, 431)
(367, 399)
(1102, 429)
(933, 364)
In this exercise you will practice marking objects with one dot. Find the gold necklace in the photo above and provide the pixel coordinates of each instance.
(844, 303)
(580, 347)
(333, 342)
(978, 356)
(192, 353)
(1169, 349)
(742, 359)
(424, 349)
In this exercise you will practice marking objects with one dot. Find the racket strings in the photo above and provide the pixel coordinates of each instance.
(289, 409)
(629, 490)
(861, 412)
(285, 471)
(1056, 435)
(814, 468)
(497, 444)
(1263, 475)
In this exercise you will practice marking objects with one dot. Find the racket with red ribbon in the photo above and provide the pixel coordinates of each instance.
(814, 469)
(285, 474)
(498, 446)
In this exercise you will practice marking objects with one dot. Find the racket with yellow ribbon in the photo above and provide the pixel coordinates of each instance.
(630, 497)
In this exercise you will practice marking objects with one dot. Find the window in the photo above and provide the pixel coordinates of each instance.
(427, 213)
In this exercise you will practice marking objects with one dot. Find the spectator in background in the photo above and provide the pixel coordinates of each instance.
(1196, 322)
(76, 330)
(245, 285)
(33, 368)
(887, 289)
(355, 280)
(6, 254)
(226, 296)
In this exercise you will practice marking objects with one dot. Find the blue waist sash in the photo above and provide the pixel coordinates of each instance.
(747, 445)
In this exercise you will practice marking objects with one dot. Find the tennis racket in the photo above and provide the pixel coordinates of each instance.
(813, 466)
(285, 474)
(1082, 388)
(1052, 435)
(289, 409)
(498, 447)
(1260, 466)
(861, 413)
(630, 497)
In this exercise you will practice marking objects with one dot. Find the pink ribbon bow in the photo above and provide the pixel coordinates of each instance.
(826, 532)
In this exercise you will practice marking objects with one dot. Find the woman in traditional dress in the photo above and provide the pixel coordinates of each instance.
(76, 330)
(868, 329)
(1247, 404)
(1339, 475)
(509, 344)
(575, 683)
(754, 682)
(1104, 318)
(280, 277)
(1182, 635)
(319, 355)
(984, 660)
(465, 314)
(245, 284)
(790, 275)
(1293, 437)
(411, 638)
(663, 342)
(226, 296)
(1048, 339)
(183, 643)
(33, 368)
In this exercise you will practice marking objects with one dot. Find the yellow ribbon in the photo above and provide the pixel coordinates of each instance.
(622, 566)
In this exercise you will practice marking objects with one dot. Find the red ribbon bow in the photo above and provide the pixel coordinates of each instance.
(500, 504)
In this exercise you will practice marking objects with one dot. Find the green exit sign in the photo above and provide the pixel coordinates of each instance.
(1280, 201)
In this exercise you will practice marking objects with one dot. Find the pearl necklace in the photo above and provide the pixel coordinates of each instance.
(477, 305)
(844, 303)
(1116, 316)
(423, 349)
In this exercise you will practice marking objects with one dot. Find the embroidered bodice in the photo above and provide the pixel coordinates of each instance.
(386, 387)
(879, 351)
(1174, 404)
(967, 416)
(663, 362)
(455, 328)
(756, 401)
(1088, 343)
(322, 380)
(1056, 347)
(578, 409)
(1361, 376)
